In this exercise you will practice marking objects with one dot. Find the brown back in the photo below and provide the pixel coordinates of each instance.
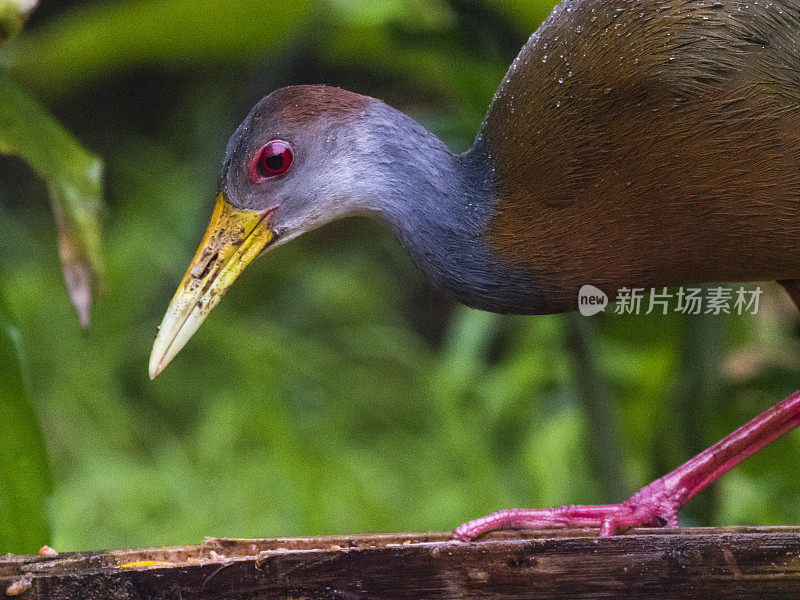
(651, 143)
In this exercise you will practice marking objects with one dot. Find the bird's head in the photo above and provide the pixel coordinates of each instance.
(298, 161)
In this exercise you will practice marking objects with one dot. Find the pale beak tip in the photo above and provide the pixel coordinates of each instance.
(233, 239)
(158, 357)
(155, 366)
(176, 329)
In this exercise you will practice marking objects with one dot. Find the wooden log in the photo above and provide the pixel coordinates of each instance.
(700, 563)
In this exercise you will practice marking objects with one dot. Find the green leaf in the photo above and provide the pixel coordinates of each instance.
(74, 178)
(25, 478)
(99, 38)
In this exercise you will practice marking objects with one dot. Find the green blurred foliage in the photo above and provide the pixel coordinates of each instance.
(25, 480)
(12, 18)
(73, 178)
(333, 390)
(88, 42)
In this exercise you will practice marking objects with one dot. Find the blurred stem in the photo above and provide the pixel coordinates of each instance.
(603, 439)
(74, 179)
(79, 274)
(693, 399)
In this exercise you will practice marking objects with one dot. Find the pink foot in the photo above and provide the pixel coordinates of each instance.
(657, 504)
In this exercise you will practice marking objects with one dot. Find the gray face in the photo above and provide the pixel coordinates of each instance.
(350, 155)
(323, 127)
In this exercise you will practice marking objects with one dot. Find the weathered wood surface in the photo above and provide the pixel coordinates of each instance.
(761, 563)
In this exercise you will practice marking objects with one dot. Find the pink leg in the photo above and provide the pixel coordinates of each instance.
(656, 504)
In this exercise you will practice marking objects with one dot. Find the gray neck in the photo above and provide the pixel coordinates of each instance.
(439, 204)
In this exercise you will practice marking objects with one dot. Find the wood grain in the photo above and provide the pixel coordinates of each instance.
(575, 564)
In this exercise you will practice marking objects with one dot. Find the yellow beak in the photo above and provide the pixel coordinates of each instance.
(233, 239)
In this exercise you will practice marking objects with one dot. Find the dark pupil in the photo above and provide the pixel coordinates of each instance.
(273, 162)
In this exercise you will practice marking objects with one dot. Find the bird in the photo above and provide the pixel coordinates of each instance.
(631, 144)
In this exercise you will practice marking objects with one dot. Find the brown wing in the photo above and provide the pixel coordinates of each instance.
(650, 143)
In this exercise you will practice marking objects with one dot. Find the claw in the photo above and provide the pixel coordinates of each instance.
(656, 504)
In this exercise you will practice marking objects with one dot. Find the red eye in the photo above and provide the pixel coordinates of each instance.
(272, 160)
